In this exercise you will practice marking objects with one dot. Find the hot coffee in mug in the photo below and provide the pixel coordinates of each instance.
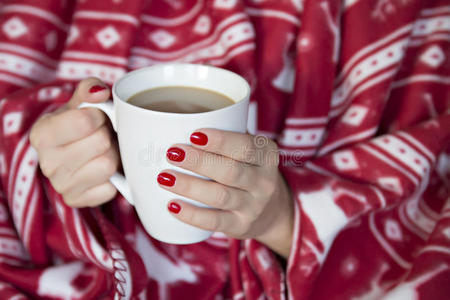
(156, 107)
(180, 99)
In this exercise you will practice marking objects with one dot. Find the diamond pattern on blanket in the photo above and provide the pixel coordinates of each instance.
(14, 28)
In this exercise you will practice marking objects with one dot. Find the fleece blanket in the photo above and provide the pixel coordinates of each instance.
(355, 92)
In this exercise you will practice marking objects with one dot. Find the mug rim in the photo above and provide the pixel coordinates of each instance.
(144, 69)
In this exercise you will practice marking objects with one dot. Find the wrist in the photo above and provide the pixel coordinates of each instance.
(278, 237)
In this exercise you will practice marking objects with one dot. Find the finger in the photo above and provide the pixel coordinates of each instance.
(49, 161)
(91, 90)
(94, 196)
(57, 128)
(239, 146)
(205, 191)
(95, 172)
(76, 154)
(217, 167)
(80, 152)
(67, 127)
(205, 218)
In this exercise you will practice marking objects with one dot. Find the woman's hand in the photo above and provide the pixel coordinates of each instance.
(249, 196)
(75, 147)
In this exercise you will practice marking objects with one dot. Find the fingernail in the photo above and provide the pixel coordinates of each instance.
(199, 138)
(174, 207)
(166, 179)
(96, 88)
(175, 154)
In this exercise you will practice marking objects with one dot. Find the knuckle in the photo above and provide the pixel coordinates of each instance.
(61, 186)
(249, 142)
(233, 171)
(46, 170)
(61, 179)
(211, 223)
(47, 166)
(214, 224)
(191, 218)
(103, 141)
(37, 133)
(248, 155)
(222, 197)
(86, 122)
(107, 164)
(76, 199)
(69, 199)
(186, 187)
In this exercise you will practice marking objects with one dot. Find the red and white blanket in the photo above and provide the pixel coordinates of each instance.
(356, 93)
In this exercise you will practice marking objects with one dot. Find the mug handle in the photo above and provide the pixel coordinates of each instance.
(118, 180)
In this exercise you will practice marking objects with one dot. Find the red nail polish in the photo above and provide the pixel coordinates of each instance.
(199, 138)
(96, 88)
(175, 154)
(166, 179)
(174, 207)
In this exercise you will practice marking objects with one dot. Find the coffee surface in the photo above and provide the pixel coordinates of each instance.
(180, 99)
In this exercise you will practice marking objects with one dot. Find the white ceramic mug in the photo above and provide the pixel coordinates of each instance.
(144, 137)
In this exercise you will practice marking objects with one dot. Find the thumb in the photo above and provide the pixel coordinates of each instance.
(91, 90)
